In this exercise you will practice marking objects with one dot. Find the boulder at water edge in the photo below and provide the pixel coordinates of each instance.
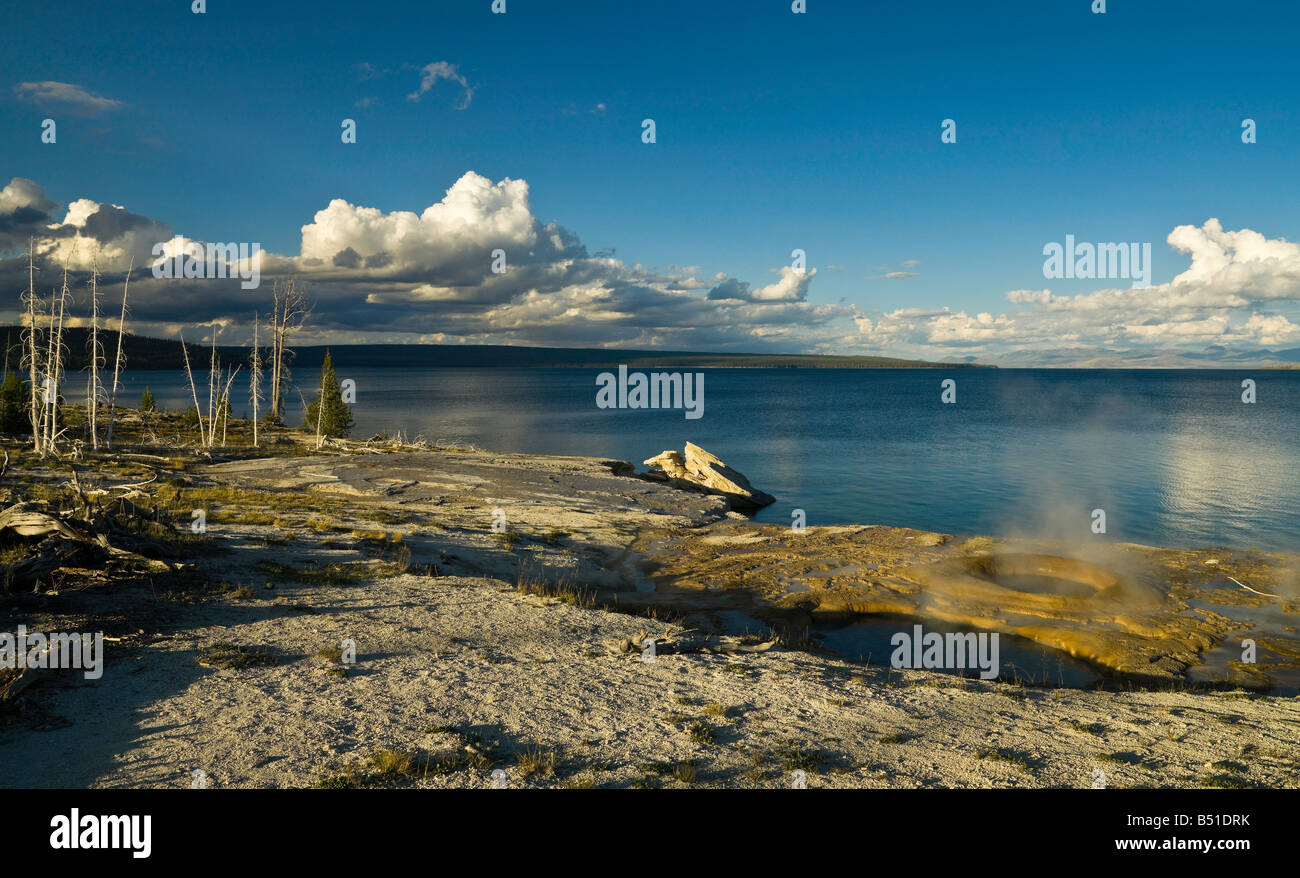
(705, 472)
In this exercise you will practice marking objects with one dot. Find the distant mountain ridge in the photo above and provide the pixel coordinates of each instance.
(144, 353)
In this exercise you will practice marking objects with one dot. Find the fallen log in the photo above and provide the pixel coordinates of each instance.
(689, 641)
(29, 520)
(27, 678)
(70, 549)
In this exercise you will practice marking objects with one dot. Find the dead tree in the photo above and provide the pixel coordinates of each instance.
(275, 351)
(54, 361)
(255, 378)
(120, 360)
(94, 390)
(289, 313)
(31, 347)
(49, 393)
(223, 404)
(193, 390)
(320, 410)
(214, 381)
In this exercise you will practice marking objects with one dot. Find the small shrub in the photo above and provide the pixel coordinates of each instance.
(232, 656)
(535, 760)
(701, 733)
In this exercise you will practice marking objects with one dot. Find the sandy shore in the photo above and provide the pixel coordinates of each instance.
(459, 671)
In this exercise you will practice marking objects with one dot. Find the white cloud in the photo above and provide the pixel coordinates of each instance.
(108, 233)
(1215, 301)
(384, 275)
(71, 96)
(430, 74)
(21, 193)
(1030, 297)
(792, 287)
(475, 217)
(389, 275)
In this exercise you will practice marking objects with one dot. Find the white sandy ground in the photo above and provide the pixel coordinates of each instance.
(524, 672)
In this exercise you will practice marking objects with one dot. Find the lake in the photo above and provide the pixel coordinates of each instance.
(1174, 458)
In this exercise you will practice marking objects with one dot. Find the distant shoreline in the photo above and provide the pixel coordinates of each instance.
(146, 353)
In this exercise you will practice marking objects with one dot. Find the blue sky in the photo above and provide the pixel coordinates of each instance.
(775, 131)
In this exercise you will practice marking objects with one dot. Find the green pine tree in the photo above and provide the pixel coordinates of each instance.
(336, 416)
(15, 399)
(146, 401)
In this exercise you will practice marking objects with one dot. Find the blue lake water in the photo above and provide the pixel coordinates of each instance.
(1175, 458)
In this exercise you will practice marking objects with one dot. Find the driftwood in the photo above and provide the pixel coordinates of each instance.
(27, 678)
(1249, 589)
(73, 548)
(133, 485)
(49, 557)
(29, 520)
(689, 641)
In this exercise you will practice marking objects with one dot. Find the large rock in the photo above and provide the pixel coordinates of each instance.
(670, 464)
(704, 471)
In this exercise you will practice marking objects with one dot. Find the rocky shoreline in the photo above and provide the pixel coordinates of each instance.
(498, 605)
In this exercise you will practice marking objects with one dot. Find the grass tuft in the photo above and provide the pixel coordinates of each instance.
(231, 656)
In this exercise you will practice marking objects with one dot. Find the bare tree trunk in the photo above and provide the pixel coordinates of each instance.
(275, 352)
(224, 406)
(193, 390)
(320, 409)
(213, 383)
(54, 366)
(118, 361)
(255, 377)
(291, 311)
(48, 392)
(92, 393)
(33, 359)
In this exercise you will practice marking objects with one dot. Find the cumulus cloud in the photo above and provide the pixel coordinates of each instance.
(477, 266)
(109, 233)
(88, 230)
(24, 212)
(1222, 299)
(792, 287)
(21, 193)
(379, 275)
(730, 288)
(71, 97)
(449, 242)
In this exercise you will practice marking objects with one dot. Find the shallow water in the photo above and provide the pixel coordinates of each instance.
(868, 640)
(1270, 620)
(1174, 458)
